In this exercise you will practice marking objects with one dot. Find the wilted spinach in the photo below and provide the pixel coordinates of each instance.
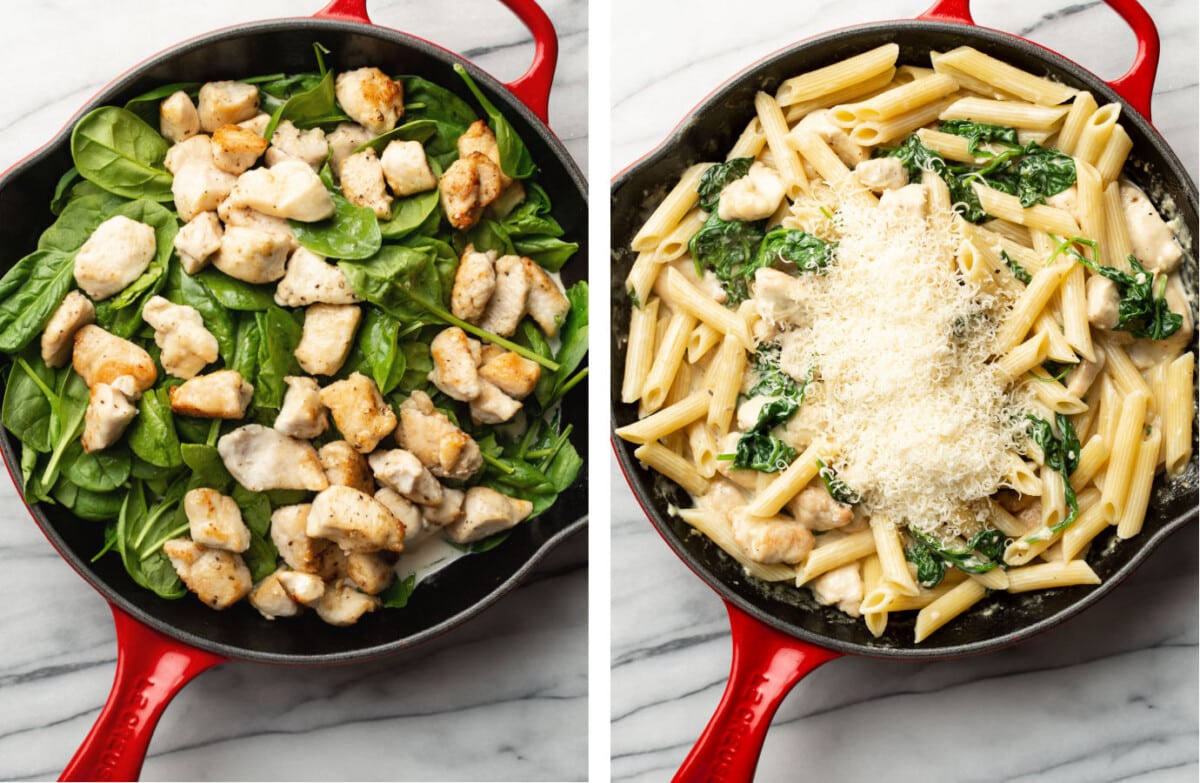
(786, 245)
(983, 552)
(717, 177)
(730, 250)
(836, 486)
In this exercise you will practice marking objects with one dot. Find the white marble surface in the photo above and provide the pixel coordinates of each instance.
(503, 697)
(1110, 695)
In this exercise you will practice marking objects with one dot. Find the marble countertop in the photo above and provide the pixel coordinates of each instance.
(1110, 695)
(502, 697)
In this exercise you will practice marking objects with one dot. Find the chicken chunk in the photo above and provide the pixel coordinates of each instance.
(245, 217)
(259, 458)
(370, 98)
(58, 338)
(777, 296)
(271, 599)
(235, 149)
(359, 411)
(200, 186)
(346, 467)
(771, 539)
(402, 471)
(177, 117)
(302, 414)
(1153, 242)
(258, 123)
(492, 406)
(507, 305)
(409, 514)
(214, 520)
(755, 196)
(486, 512)
(102, 357)
(546, 303)
(479, 138)
(186, 345)
(1103, 301)
(353, 520)
(226, 103)
(819, 123)
(406, 168)
(289, 526)
(196, 149)
(310, 279)
(217, 577)
(512, 374)
(369, 571)
(880, 174)
(223, 394)
(289, 189)
(345, 138)
(468, 186)
(109, 411)
(327, 337)
(841, 586)
(304, 589)
(474, 282)
(361, 178)
(288, 141)
(115, 255)
(453, 366)
(252, 255)
(450, 510)
(816, 509)
(343, 605)
(1080, 379)
(906, 203)
(198, 240)
(438, 443)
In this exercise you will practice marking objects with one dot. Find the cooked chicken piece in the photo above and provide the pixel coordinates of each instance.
(226, 103)
(370, 98)
(447, 512)
(346, 467)
(217, 577)
(906, 203)
(369, 571)
(306, 589)
(258, 123)
(236, 149)
(197, 149)
(479, 138)
(259, 458)
(1153, 242)
(311, 279)
(353, 520)
(178, 118)
(58, 338)
(302, 415)
(438, 443)
(467, 186)
(289, 525)
(115, 255)
(819, 123)
(343, 605)
(880, 174)
(361, 178)
(486, 512)
(507, 305)
(777, 295)
(327, 337)
(816, 509)
(406, 168)
(842, 586)
(546, 303)
(252, 255)
(409, 514)
(492, 406)
(289, 189)
(102, 357)
(109, 411)
(722, 496)
(1066, 200)
(289, 141)
(200, 187)
(214, 520)
(508, 200)
(771, 539)
(755, 196)
(345, 138)
(402, 471)
(271, 599)
(223, 394)
(186, 345)
(245, 217)
(198, 240)
(1103, 301)
(453, 366)
(512, 373)
(1085, 373)
(474, 282)
(359, 411)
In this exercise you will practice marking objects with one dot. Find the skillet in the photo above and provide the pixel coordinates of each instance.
(165, 643)
(779, 635)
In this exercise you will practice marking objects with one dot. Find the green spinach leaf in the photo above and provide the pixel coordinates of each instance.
(717, 177)
(117, 150)
(515, 160)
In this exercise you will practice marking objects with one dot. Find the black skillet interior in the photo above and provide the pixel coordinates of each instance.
(706, 134)
(466, 586)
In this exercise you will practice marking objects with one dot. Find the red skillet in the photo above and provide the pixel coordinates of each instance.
(780, 635)
(161, 645)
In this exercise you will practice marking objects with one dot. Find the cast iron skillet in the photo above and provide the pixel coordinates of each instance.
(780, 633)
(163, 644)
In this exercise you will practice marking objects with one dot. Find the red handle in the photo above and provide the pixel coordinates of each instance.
(150, 670)
(1136, 85)
(766, 664)
(532, 88)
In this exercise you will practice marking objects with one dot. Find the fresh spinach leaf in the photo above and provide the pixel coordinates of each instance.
(352, 231)
(78, 219)
(397, 594)
(409, 214)
(29, 402)
(24, 313)
(414, 130)
(117, 150)
(145, 106)
(234, 294)
(85, 504)
(102, 471)
(515, 160)
(152, 435)
(182, 288)
(308, 106)
(279, 336)
(208, 469)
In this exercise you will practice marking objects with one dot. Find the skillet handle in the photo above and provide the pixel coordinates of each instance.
(1136, 85)
(766, 664)
(150, 670)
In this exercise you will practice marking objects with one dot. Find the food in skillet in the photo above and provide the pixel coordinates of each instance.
(916, 339)
(296, 339)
